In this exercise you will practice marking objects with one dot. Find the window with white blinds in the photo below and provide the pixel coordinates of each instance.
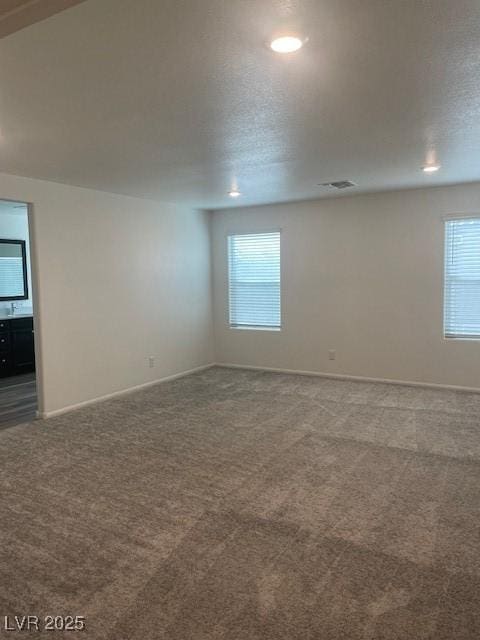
(11, 277)
(462, 278)
(254, 280)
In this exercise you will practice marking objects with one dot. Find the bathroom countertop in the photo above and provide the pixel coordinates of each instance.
(5, 316)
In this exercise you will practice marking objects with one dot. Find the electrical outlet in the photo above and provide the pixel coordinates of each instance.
(332, 354)
(151, 362)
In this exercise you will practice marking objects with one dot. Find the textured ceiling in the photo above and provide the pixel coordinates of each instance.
(181, 99)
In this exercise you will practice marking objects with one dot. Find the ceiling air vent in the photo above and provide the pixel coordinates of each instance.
(339, 184)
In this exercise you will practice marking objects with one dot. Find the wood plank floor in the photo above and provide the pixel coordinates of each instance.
(18, 400)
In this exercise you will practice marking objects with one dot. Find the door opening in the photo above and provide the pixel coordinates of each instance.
(18, 389)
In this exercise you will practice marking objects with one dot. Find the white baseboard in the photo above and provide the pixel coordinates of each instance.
(145, 385)
(341, 376)
(226, 365)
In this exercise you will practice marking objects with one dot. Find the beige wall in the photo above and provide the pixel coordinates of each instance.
(362, 275)
(118, 279)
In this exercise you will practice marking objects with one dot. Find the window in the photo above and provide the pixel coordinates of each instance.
(462, 278)
(254, 280)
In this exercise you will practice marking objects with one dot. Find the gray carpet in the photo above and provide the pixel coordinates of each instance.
(247, 505)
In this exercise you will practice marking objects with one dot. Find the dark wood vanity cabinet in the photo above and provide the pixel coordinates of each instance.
(17, 352)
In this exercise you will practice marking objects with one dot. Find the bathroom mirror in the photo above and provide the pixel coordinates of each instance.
(13, 270)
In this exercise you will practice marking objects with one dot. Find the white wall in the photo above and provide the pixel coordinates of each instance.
(14, 226)
(116, 279)
(362, 275)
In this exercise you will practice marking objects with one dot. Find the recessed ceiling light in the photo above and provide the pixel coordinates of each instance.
(234, 193)
(431, 168)
(286, 44)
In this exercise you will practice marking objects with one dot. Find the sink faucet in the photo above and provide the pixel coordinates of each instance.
(13, 306)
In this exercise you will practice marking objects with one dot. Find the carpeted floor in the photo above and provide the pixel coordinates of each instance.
(248, 506)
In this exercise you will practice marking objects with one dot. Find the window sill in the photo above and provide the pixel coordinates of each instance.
(462, 338)
(253, 328)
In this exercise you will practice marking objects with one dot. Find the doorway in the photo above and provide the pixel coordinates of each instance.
(18, 387)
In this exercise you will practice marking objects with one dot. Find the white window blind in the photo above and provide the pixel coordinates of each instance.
(11, 277)
(462, 278)
(254, 280)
